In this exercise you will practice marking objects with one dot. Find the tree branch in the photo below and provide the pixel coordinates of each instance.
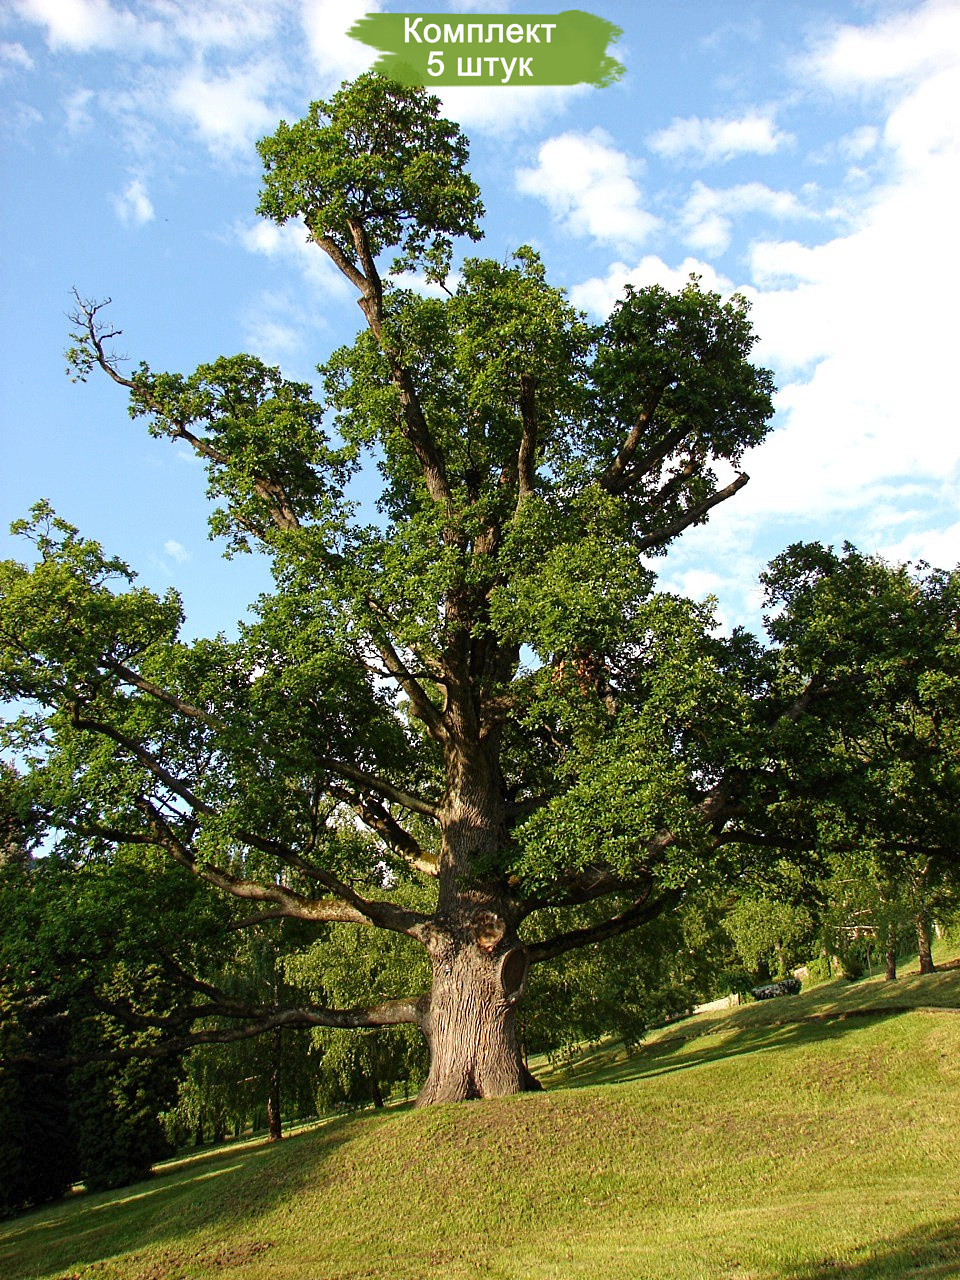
(527, 456)
(423, 708)
(388, 1013)
(162, 695)
(692, 515)
(638, 913)
(387, 790)
(143, 757)
(372, 302)
(416, 432)
(273, 494)
(339, 258)
(382, 822)
(592, 882)
(350, 908)
(616, 478)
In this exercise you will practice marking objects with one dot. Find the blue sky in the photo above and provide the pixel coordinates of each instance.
(806, 153)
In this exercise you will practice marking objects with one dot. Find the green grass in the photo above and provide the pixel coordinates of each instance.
(811, 1138)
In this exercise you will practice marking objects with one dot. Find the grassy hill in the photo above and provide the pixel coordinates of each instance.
(809, 1137)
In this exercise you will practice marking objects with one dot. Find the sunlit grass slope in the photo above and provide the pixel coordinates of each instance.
(814, 1136)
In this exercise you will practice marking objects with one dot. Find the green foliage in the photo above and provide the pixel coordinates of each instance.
(37, 1151)
(83, 981)
(259, 434)
(687, 715)
(638, 981)
(818, 970)
(479, 354)
(875, 649)
(115, 1114)
(770, 935)
(681, 359)
(483, 678)
(878, 647)
(376, 157)
(354, 1069)
(620, 989)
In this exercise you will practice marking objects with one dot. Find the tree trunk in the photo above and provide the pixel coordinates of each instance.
(470, 1025)
(924, 943)
(375, 1093)
(891, 955)
(479, 965)
(274, 1119)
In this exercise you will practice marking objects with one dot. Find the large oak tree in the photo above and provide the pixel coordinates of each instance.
(466, 713)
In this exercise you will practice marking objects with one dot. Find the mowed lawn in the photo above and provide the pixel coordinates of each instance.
(813, 1136)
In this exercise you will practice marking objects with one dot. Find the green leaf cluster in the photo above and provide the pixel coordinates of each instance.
(380, 156)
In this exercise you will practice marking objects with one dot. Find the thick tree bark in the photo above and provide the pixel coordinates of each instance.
(925, 943)
(470, 1024)
(479, 965)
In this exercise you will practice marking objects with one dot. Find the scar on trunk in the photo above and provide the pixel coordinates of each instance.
(513, 973)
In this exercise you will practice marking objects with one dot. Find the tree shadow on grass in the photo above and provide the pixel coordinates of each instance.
(211, 1192)
(926, 1253)
(674, 1053)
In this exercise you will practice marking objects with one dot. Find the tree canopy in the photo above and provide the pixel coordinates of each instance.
(467, 717)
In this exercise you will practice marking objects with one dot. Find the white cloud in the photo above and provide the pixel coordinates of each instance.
(860, 143)
(860, 328)
(158, 26)
(272, 340)
(599, 294)
(229, 24)
(904, 47)
(289, 243)
(14, 57)
(939, 547)
(77, 110)
(335, 55)
(133, 206)
(588, 185)
(736, 589)
(176, 551)
(504, 110)
(417, 282)
(924, 125)
(281, 327)
(232, 68)
(872, 311)
(713, 141)
(708, 214)
(20, 118)
(229, 110)
(83, 25)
